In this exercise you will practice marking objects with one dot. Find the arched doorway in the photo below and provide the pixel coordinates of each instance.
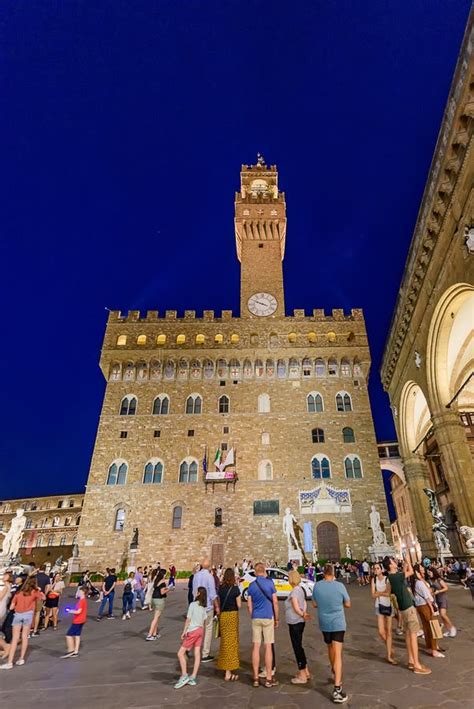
(328, 541)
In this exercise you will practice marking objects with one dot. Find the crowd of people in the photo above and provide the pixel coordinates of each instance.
(415, 598)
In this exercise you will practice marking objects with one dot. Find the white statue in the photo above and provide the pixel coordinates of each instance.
(468, 534)
(380, 538)
(348, 552)
(288, 529)
(12, 538)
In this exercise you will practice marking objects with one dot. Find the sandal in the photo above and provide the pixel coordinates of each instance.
(392, 661)
(256, 682)
(271, 683)
(232, 678)
(298, 680)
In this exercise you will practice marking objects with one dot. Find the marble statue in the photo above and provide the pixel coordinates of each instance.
(288, 529)
(439, 527)
(468, 534)
(348, 552)
(380, 538)
(12, 538)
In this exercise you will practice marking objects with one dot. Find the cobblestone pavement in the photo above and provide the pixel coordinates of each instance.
(117, 668)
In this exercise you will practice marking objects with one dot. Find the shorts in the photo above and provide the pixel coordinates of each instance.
(23, 619)
(263, 629)
(336, 636)
(410, 622)
(38, 605)
(75, 630)
(366, 573)
(52, 602)
(192, 639)
(157, 604)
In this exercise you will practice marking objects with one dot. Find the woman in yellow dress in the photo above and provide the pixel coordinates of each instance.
(229, 606)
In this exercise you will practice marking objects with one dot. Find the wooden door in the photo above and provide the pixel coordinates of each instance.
(328, 541)
(217, 554)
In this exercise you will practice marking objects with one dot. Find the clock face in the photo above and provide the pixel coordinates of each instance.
(262, 304)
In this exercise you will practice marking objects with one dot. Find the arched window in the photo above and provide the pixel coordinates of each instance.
(320, 467)
(51, 540)
(263, 404)
(281, 369)
(315, 403)
(208, 369)
(63, 541)
(161, 405)
(218, 517)
(177, 520)
(353, 466)
(343, 401)
(56, 522)
(348, 435)
(248, 369)
(39, 541)
(188, 471)
(307, 367)
(78, 519)
(265, 439)
(265, 470)
(200, 339)
(67, 521)
(317, 435)
(141, 340)
(117, 474)
(234, 338)
(224, 404)
(345, 368)
(119, 520)
(357, 368)
(332, 367)
(161, 340)
(121, 340)
(194, 404)
(153, 472)
(259, 368)
(219, 338)
(181, 339)
(128, 407)
(320, 368)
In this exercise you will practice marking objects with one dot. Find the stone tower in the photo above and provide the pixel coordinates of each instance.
(279, 401)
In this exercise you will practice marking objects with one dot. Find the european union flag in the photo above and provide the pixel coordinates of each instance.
(204, 461)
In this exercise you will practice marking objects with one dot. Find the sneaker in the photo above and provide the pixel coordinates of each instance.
(453, 632)
(35, 634)
(124, 617)
(7, 666)
(181, 682)
(20, 662)
(151, 637)
(338, 696)
(128, 616)
(110, 617)
(192, 681)
(399, 631)
(68, 654)
(420, 634)
(208, 658)
(134, 611)
(98, 619)
(157, 636)
(263, 673)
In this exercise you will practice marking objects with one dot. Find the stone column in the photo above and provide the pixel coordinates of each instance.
(457, 463)
(417, 476)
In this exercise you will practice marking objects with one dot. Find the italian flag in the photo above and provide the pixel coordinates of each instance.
(217, 459)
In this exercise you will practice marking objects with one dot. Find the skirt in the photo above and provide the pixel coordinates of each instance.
(229, 648)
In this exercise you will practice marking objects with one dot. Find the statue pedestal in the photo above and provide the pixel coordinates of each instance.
(131, 566)
(295, 555)
(378, 551)
(4, 563)
(73, 565)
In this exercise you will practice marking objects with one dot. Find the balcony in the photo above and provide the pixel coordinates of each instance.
(218, 478)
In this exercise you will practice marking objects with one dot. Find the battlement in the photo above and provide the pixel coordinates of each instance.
(152, 316)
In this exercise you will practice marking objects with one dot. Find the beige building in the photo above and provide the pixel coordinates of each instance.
(282, 399)
(429, 356)
(51, 525)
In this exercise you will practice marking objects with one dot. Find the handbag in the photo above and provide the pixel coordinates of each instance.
(435, 628)
(385, 610)
(216, 622)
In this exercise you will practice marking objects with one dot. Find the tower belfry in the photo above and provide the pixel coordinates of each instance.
(260, 233)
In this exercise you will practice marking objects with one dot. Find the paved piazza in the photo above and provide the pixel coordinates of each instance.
(117, 668)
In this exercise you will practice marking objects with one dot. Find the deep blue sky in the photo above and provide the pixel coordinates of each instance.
(123, 126)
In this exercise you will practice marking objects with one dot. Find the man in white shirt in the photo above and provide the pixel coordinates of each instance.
(206, 579)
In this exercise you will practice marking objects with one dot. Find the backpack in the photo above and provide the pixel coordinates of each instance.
(127, 588)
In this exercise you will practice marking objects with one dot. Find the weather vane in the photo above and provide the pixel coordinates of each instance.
(260, 159)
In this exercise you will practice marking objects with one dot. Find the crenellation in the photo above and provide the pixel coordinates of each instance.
(189, 314)
(298, 314)
(171, 314)
(338, 314)
(226, 315)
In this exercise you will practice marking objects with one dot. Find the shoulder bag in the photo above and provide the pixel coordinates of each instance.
(217, 625)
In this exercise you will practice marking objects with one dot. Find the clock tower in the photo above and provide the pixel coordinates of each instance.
(260, 231)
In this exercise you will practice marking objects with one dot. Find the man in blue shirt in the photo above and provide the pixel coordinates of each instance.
(330, 597)
(263, 609)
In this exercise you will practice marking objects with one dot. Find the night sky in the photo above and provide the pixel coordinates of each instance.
(123, 128)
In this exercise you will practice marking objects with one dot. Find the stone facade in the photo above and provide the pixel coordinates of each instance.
(51, 525)
(163, 413)
(429, 356)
